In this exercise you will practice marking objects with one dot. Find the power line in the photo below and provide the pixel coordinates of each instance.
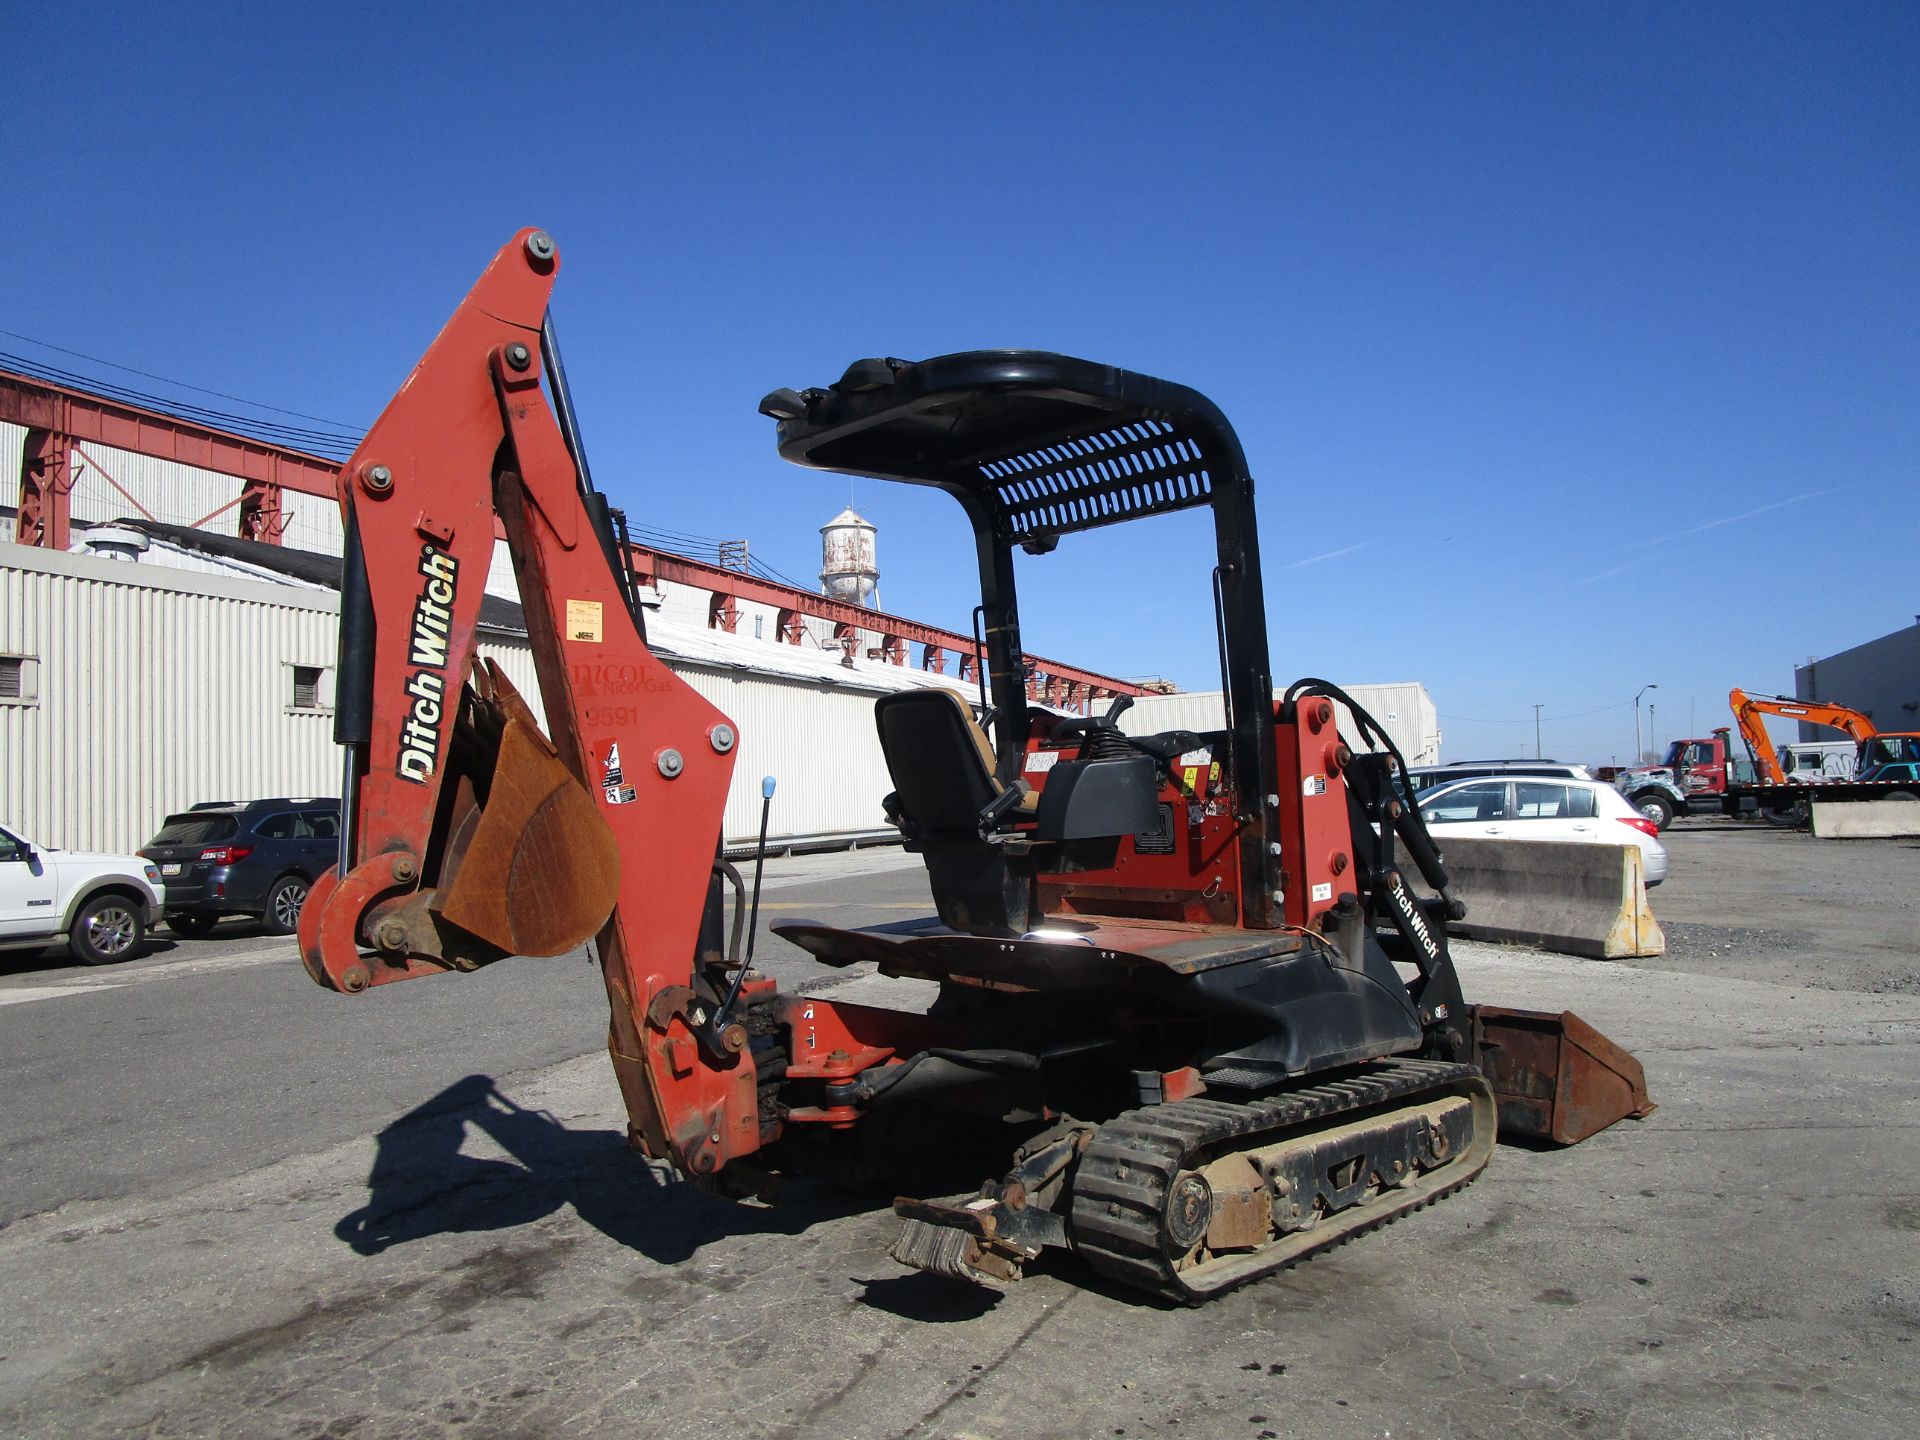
(169, 380)
(328, 444)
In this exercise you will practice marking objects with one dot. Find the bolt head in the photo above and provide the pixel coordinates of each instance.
(670, 762)
(391, 936)
(518, 356)
(354, 979)
(377, 479)
(405, 868)
(722, 738)
(540, 246)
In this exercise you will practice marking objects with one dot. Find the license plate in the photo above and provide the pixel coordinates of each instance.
(173, 869)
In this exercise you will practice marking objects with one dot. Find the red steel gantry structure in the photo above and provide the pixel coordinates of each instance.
(58, 418)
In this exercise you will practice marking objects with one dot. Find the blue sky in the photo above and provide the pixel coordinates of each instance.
(1573, 346)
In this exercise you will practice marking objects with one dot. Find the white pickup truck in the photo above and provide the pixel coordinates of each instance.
(102, 904)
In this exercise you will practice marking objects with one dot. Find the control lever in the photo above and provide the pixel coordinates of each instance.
(725, 1012)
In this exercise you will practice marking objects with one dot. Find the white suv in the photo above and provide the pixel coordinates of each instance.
(102, 904)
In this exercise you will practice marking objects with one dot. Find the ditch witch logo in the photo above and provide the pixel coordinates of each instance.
(427, 650)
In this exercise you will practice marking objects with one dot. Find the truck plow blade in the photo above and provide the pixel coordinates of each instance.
(1554, 1076)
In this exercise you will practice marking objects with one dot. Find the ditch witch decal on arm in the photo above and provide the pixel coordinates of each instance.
(427, 651)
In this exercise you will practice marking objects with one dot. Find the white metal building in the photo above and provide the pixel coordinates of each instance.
(143, 687)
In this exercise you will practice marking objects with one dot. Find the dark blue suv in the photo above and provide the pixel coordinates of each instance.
(255, 858)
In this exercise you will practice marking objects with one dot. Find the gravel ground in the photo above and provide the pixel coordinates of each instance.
(1749, 901)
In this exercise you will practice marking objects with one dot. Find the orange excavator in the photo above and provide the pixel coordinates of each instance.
(1747, 713)
(1180, 978)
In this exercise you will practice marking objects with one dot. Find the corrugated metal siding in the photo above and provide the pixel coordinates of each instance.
(820, 745)
(13, 444)
(171, 492)
(167, 490)
(313, 523)
(501, 580)
(683, 604)
(135, 715)
(159, 688)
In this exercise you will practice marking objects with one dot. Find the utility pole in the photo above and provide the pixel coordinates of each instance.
(1537, 753)
(1653, 736)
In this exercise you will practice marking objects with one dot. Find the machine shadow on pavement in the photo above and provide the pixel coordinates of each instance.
(422, 1185)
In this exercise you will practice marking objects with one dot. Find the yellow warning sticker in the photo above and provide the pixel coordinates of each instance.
(584, 621)
(1191, 775)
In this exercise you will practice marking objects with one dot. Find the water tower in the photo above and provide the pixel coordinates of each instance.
(848, 568)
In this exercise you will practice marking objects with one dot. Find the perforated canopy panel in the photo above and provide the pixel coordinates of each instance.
(1043, 444)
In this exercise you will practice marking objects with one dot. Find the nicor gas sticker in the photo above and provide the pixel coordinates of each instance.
(585, 621)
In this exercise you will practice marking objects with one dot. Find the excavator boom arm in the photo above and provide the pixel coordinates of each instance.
(1748, 710)
(469, 835)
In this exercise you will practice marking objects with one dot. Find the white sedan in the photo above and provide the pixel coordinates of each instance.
(1543, 809)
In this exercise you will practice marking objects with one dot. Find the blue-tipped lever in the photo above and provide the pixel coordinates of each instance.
(753, 915)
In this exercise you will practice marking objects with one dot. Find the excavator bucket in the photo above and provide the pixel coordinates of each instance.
(1554, 1076)
(530, 866)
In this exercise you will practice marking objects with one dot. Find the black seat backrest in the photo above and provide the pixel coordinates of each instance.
(941, 764)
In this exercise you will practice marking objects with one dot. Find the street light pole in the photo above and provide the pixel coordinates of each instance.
(1537, 753)
(1637, 752)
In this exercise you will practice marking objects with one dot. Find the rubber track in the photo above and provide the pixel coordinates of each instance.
(1120, 1190)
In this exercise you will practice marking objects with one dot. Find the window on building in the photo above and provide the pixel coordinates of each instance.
(306, 687)
(17, 679)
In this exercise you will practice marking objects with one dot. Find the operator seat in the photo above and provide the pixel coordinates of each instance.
(942, 764)
(953, 809)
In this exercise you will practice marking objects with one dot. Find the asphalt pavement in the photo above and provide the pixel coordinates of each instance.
(238, 1205)
(208, 1056)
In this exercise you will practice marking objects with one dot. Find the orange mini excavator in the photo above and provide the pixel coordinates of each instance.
(1180, 977)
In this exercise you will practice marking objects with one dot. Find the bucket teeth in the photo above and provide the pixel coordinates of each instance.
(948, 1250)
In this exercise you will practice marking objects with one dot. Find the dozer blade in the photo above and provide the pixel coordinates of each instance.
(1554, 1076)
(533, 868)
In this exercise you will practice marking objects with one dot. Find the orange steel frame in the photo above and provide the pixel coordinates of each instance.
(58, 418)
(1747, 710)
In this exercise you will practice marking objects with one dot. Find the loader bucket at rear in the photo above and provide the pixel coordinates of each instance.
(1554, 1076)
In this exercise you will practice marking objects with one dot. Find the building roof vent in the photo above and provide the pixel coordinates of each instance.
(113, 542)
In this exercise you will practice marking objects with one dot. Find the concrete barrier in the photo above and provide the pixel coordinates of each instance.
(1865, 819)
(1578, 899)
